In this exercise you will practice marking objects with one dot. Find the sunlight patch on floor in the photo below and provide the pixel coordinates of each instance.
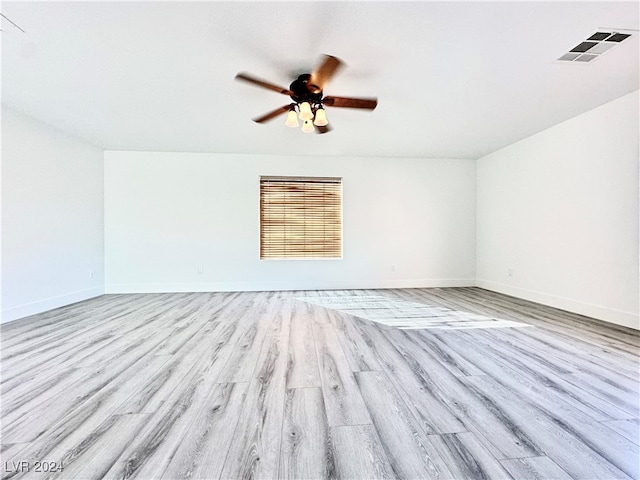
(408, 315)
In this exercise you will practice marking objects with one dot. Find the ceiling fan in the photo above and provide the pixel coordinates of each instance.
(307, 93)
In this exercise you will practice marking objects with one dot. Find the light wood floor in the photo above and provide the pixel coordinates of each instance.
(268, 385)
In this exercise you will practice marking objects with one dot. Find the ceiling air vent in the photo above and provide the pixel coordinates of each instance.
(594, 46)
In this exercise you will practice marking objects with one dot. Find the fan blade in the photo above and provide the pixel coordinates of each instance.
(324, 72)
(263, 84)
(323, 129)
(344, 102)
(272, 114)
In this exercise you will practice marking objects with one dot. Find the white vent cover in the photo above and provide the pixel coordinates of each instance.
(595, 45)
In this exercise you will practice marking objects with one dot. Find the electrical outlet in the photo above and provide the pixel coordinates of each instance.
(510, 272)
(200, 270)
(393, 268)
(92, 274)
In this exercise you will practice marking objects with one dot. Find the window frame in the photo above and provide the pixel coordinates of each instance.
(301, 178)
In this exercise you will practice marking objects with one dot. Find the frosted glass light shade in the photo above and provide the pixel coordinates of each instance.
(321, 118)
(305, 111)
(292, 119)
(307, 126)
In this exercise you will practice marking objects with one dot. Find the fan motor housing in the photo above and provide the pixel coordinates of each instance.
(303, 91)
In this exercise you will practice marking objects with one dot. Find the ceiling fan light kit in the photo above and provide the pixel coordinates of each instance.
(321, 117)
(305, 111)
(309, 101)
(307, 126)
(292, 117)
(307, 114)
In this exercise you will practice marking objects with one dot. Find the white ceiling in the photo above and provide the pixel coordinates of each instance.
(453, 79)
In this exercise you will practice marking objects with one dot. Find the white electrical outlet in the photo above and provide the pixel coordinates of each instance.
(510, 272)
(200, 270)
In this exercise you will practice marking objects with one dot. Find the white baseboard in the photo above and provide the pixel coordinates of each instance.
(39, 306)
(285, 285)
(625, 319)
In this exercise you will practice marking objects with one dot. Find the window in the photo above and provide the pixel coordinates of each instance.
(300, 217)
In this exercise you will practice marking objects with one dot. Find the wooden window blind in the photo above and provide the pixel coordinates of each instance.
(300, 217)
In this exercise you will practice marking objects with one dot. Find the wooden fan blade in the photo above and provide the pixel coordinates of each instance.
(261, 83)
(324, 129)
(272, 114)
(344, 102)
(324, 72)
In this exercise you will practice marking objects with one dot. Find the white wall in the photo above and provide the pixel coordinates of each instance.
(52, 217)
(560, 209)
(167, 214)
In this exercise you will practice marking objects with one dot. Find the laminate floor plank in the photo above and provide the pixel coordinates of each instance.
(543, 387)
(129, 331)
(359, 453)
(476, 412)
(302, 366)
(467, 457)
(341, 394)
(180, 336)
(583, 355)
(12, 330)
(27, 395)
(202, 452)
(43, 378)
(409, 450)
(321, 316)
(10, 451)
(65, 436)
(194, 323)
(116, 331)
(622, 396)
(629, 429)
(245, 354)
(457, 364)
(68, 348)
(557, 328)
(588, 330)
(178, 370)
(535, 468)
(35, 416)
(596, 435)
(244, 327)
(149, 454)
(98, 452)
(300, 306)
(76, 328)
(434, 415)
(149, 386)
(570, 449)
(542, 359)
(28, 328)
(254, 451)
(105, 350)
(279, 313)
(307, 450)
(44, 350)
(27, 377)
(359, 353)
(521, 343)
